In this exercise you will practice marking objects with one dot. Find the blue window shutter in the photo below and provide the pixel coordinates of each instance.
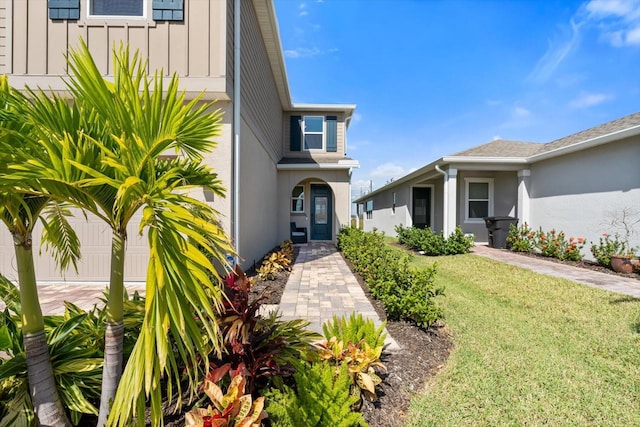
(64, 9)
(168, 10)
(332, 134)
(296, 133)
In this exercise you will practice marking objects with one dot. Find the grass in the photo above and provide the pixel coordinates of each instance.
(531, 350)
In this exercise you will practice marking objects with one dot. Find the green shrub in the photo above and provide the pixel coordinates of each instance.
(607, 247)
(354, 329)
(432, 244)
(406, 293)
(521, 239)
(550, 244)
(321, 398)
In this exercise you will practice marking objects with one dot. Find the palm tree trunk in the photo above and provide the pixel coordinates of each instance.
(42, 386)
(114, 335)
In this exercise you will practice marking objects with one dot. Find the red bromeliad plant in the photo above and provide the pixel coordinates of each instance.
(254, 346)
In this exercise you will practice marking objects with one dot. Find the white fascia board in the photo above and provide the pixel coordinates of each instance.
(486, 160)
(341, 164)
(589, 143)
(324, 107)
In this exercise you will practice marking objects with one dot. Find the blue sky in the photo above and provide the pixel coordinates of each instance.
(431, 78)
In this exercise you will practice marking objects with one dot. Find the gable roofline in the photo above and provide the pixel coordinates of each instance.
(588, 143)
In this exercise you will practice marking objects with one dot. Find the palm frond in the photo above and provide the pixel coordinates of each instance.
(59, 237)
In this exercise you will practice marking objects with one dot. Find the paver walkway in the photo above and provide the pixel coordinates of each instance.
(321, 285)
(596, 279)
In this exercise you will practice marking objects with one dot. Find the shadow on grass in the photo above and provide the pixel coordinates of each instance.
(624, 299)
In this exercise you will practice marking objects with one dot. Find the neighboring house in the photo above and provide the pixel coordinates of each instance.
(291, 164)
(575, 184)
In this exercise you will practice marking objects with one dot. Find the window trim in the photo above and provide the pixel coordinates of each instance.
(369, 209)
(393, 203)
(323, 133)
(490, 199)
(144, 17)
(296, 199)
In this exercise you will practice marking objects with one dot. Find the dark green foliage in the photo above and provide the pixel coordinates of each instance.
(405, 292)
(259, 347)
(521, 238)
(607, 247)
(321, 399)
(76, 344)
(354, 329)
(432, 244)
(550, 244)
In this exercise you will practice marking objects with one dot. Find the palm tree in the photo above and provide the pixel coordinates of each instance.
(20, 210)
(115, 134)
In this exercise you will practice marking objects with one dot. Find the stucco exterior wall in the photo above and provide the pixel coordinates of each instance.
(258, 205)
(579, 193)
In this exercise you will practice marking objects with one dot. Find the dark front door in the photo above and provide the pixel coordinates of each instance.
(321, 212)
(421, 207)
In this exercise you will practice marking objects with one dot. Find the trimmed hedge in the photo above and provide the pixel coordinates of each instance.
(432, 244)
(406, 293)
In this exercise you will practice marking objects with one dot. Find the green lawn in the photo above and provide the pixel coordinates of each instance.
(531, 350)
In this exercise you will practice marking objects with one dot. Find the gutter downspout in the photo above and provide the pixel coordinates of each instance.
(235, 202)
(445, 198)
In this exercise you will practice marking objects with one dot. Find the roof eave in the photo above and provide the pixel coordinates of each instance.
(339, 165)
(589, 143)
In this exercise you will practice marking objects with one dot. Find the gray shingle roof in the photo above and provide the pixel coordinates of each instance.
(502, 148)
(601, 130)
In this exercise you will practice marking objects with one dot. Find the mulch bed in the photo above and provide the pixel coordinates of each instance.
(422, 353)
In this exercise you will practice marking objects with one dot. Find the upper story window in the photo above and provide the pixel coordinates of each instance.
(479, 199)
(314, 133)
(119, 8)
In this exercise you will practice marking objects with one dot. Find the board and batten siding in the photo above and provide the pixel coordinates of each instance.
(195, 49)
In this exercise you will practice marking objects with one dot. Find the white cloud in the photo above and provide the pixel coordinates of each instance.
(520, 112)
(611, 7)
(389, 170)
(617, 20)
(556, 53)
(589, 99)
(304, 52)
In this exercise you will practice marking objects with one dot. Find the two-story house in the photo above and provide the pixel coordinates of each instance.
(280, 162)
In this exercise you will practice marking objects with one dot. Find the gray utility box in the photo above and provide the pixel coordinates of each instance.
(498, 228)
